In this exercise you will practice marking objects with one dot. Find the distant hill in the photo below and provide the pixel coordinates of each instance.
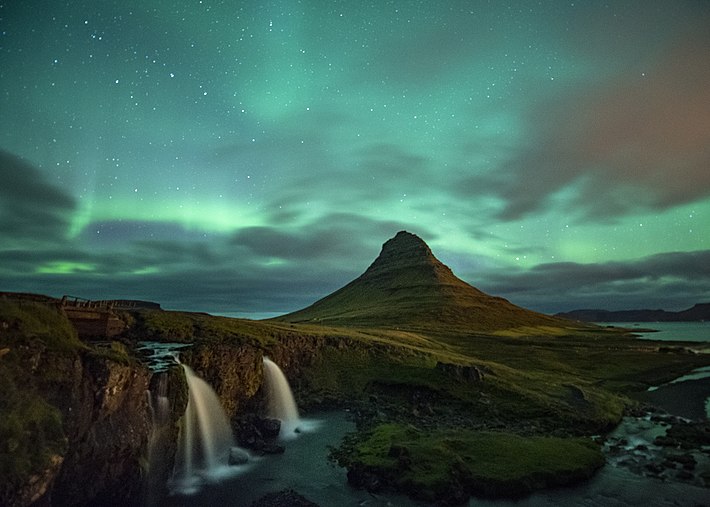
(407, 287)
(699, 312)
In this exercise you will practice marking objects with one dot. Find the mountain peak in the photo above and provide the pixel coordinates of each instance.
(404, 239)
(403, 251)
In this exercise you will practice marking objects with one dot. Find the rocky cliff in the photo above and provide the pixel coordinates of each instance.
(107, 426)
(75, 419)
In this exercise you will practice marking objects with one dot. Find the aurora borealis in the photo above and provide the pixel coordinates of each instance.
(252, 157)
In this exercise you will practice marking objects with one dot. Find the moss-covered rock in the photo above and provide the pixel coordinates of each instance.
(448, 466)
(22, 321)
(32, 442)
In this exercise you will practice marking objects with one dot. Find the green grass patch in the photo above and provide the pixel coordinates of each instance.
(116, 352)
(25, 320)
(189, 327)
(434, 466)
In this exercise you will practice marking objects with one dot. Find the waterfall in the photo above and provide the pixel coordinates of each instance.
(158, 443)
(205, 440)
(281, 404)
(158, 401)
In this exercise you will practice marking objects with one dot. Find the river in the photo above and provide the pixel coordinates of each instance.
(304, 467)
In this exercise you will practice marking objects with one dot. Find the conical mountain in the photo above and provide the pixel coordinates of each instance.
(407, 287)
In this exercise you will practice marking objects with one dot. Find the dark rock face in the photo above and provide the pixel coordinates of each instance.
(363, 478)
(234, 372)
(37, 485)
(107, 424)
(105, 420)
(270, 428)
(162, 443)
(258, 434)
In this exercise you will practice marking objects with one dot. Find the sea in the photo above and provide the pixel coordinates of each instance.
(667, 331)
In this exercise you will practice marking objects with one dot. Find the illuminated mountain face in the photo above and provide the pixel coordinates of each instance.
(408, 287)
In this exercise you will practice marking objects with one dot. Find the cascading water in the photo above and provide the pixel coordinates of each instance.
(281, 404)
(158, 443)
(205, 439)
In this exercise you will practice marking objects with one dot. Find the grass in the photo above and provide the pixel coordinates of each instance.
(570, 381)
(578, 381)
(25, 320)
(433, 465)
(545, 394)
(186, 327)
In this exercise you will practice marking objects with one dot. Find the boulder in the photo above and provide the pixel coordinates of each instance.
(238, 456)
(269, 428)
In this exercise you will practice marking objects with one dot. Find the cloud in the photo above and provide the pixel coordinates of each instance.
(634, 143)
(336, 237)
(672, 280)
(278, 268)
(260, 269)
(217, 287)
(30, 207)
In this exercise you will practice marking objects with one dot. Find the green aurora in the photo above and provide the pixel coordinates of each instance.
(251, 157)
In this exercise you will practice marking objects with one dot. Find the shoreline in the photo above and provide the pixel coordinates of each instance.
(685, 399)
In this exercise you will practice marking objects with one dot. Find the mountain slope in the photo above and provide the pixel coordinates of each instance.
(408, 287)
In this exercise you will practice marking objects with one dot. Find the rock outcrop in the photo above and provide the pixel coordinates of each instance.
(75, 419)
(234, 371)
(461, 372)
(285, 498)
(104, 423)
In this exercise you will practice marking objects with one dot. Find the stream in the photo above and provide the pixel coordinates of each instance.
(304, 467)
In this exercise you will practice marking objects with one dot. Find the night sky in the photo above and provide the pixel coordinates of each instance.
(252, 157)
